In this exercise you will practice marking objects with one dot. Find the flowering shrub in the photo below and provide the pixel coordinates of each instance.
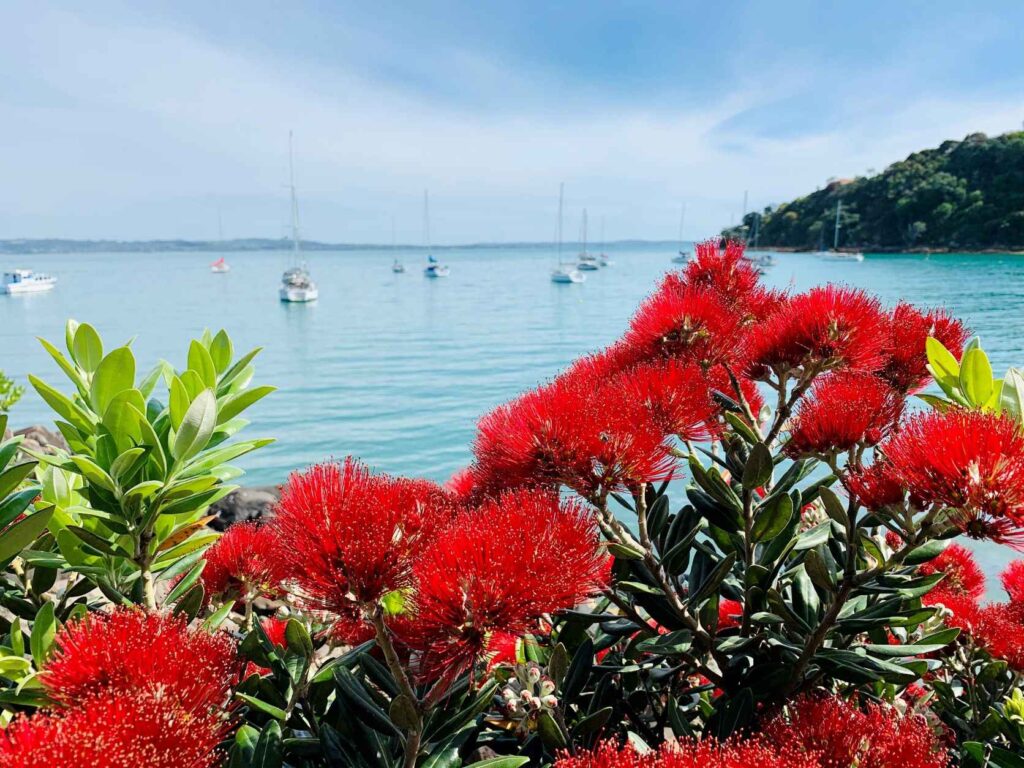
(799, 603)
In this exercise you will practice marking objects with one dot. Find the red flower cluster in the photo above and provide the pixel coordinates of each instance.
(962, 577)
(968, 461)
(845, 409)
(730, 612)
(135, 689)
(839, 734)
(241, 563)
(905, 363)
(116, 729)
(689, 753)
(498, 569)
(132, 650)
(345, 537)
(735, 280)
(824, 328)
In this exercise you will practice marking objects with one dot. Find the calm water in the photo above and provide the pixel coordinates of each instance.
(397, 368)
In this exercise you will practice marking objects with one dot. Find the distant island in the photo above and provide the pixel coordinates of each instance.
(963, 195)
(48, 245)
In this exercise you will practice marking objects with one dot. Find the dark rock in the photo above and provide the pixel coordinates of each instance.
(244, 504)
(39, 439)
(482, 753)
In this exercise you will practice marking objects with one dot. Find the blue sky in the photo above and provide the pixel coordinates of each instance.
(143, 120)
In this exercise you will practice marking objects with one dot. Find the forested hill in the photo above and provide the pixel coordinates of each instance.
(962, 195)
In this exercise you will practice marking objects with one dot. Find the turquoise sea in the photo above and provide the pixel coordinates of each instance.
(397, 368)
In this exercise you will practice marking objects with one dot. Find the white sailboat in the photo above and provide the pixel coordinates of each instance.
(434, 268)
(835, 254)
(564, 273)
(296, 284)
(683, 256)
(587, 261)
(220, 266)
(602, 257)
(396, 266)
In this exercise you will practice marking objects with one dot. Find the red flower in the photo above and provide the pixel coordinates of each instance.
(499, 569)
(843, 735)
(116, 729)
(274, 628)
(686, 323)
(962, 577)
(825, 327)
(999, 629)
(905, 364)
(968, 461)
(130, 650)
(876, 487)
(462, 485)
(677, 398)
(722, 270)
(843, 410)
(1013, 581)
(689, 753)
(346, 537)
(730, 613)
(718, 379)
(241, 563)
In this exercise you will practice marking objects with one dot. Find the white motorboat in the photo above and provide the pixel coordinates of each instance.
(564, 273)
(27, 281)
(220, 266)
(296, 284)
(435, 269)
(397, 267)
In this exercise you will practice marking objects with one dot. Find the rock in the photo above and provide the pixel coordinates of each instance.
(39, 439)
(244, 504)
(482, 753)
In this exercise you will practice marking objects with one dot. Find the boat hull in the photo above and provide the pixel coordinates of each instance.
(436, 272)
(587, 266)
(29, 287)
(567, 276)
(296, 295)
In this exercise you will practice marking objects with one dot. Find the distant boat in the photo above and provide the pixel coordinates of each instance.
(296, 284)
(564, 273)
(587, 261)
(397, 267)
(835, 254)
(602, 257)
(27, 281)
(434, 268)
(684, 256)
(220, 266)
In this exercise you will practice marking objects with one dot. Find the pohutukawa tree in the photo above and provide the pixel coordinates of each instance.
(723, 540)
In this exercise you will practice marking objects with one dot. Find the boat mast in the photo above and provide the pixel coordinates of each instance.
(584, 232)
(835, 239)
(426, 220)
(295, 202)
(682, 219)
(561, 195)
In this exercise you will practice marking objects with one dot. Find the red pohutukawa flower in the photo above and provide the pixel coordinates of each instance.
(968, 461)
(962, 577)
(677, 397)
(843, 410)
(241, 563)
(116, 729)
(730, 613)
(689, 753)
(685, 323)
(347, 537)
(841, 734)
(1013, 581)
(824, 328)
(876, 487)
(498, 569)
(905, 364)
(130, 649)
(734, 279)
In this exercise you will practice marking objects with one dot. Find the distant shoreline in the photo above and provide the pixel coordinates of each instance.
(29, 247)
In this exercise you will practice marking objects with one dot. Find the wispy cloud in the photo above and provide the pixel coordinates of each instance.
(137, 127)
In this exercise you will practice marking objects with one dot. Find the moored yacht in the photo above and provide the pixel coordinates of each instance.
(564, 273)
(296, 284)
(683, 256)
(27, 281)
(220, 266)
(434, 268)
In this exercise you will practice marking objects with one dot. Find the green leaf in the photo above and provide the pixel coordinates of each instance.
(551, 732)
(772, 521)
(268, 709)
(976, 377)
(999, 758)
(834, 506)
(1012, 396)
(813, 537)
(115, 373)
(44, 629)
(297, 638)
(178, 402)
(87, 348)
(22, 533)
(15, 504)
(758, 469)
(196, 427)
(186, 582)
(269, 751)
(221, 351)
(62, 405)
(217, 618)
(199, 360)
(927, 551)
(941, 360)
(69, 370)
(504, 762)
(92, 472)
(235, 405)
(403, 713)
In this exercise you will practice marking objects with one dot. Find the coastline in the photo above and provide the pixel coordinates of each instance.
(1010, 251)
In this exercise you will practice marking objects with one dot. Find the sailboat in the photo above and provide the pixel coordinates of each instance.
(835, 254)
(587, 261)
(683, 256)
(564, 273)
(296, 284)
(434, 268)
(396, 266)
(220, 266)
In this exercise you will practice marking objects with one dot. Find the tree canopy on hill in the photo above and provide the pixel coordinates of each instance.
(963, 194)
